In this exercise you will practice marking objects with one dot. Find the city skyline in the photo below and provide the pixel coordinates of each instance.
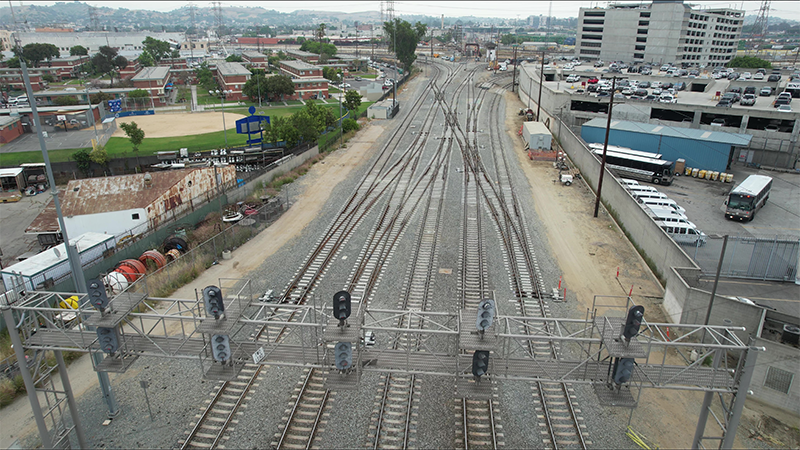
(501, 9)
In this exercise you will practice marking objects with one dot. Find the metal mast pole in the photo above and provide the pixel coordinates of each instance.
(541, 83)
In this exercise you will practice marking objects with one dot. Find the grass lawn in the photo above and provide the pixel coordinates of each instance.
(369, 75)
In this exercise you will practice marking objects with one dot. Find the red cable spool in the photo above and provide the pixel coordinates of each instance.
(155, 256)
(136, 268)
(127, 272)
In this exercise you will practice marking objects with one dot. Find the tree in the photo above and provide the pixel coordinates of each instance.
(234, 58)
(279, 85)
(65, 100)
(146, 59)
(352, 100)
(13, 62)
(255, 86)
(403, 39)
(36, 53)
(83, 160)
(319, 33)
(322, 117)
(135, 135)
(157, 49)
(100, 97)
(330, 73)
(205, 78)
(104, 61)
(749, 62)
(100, 156)
(175, 54)
(78, 50)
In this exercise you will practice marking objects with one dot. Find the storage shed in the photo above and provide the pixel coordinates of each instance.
(50, 267)
(703, 149)
(383, 109)
(536, 135)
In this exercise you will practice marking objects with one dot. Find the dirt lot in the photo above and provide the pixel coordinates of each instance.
(170, 125)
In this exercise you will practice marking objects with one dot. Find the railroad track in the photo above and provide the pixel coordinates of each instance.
(303, 419)
(219, 415)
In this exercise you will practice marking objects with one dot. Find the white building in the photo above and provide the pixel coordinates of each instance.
(659, 32)
(130, 42)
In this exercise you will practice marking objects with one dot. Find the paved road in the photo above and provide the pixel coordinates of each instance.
(14, 218)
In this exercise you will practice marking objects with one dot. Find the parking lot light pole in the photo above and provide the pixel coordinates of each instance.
(222, 94)
(341, 120)
(91, 111)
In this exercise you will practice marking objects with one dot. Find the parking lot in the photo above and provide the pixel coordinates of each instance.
(707, 98)
(703, 201)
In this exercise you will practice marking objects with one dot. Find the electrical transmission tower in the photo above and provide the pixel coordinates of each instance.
(94, 22)
(217, 6)
(760, 26)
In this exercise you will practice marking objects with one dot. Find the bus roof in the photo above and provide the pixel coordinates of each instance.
(626, 150)
(752, 185)
(662, 162)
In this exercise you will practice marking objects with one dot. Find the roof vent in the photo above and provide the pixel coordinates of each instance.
(148, 180)
(791, 334)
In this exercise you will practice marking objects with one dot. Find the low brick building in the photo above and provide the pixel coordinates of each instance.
(311, 58)
(232, 76)
(10, 128)
(13, 77)
(130, 70)
(154, 80)
(69, 67)
(255, 60)
(300, 69)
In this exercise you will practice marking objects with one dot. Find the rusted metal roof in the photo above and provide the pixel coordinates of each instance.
(106, 194)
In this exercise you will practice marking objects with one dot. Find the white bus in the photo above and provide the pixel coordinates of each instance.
(657, 171)
(626, 150)
(746, 198)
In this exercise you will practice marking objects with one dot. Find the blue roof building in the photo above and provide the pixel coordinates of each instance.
(704, 149)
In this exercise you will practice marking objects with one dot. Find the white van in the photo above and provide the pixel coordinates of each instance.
(639, 188)
(628, 182)
(664, 213)
(684, 234)
(663, 203)
(641, 196)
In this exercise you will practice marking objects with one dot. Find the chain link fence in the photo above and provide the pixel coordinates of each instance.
(773, 258)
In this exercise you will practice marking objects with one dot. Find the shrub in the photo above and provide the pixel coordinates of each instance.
(7, 392)
(350, 125)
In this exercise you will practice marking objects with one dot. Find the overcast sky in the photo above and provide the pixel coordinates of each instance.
(487, 8)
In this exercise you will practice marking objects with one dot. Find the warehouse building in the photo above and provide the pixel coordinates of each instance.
(703, 149)
(659, 32)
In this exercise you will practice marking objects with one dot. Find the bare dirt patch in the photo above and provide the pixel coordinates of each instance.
(588, 251)
(186, 124)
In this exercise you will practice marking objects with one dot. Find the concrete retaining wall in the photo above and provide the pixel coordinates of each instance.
(782, 357)
(661, 252)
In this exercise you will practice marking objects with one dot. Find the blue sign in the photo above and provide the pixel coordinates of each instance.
(147, 112)
(251, 125)
(114, 105)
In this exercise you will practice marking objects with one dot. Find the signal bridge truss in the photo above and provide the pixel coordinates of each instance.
(440, 344)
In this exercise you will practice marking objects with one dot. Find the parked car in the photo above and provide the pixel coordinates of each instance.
(667, 98)
(774, 77)
(758, 76)
(592, 80)
(735, 90)
(733, 75)
(598, 63)
(771, 128)
(781, 101)
(724, 103)
(640, 92)
(573, 78)
(747, 75)
(651, 98)
(643, 84)
(680, 86)
(627, 91)
(750, 90)
(748, 100)
(718, 123)
(785, 108)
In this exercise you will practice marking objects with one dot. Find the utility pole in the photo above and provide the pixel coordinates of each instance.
(541, 83)
(605, 146)
(514, 75)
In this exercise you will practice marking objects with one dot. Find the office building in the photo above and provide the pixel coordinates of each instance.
(659, 32)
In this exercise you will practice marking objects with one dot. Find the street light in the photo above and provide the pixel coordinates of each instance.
(91, 111)
(222, 94)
